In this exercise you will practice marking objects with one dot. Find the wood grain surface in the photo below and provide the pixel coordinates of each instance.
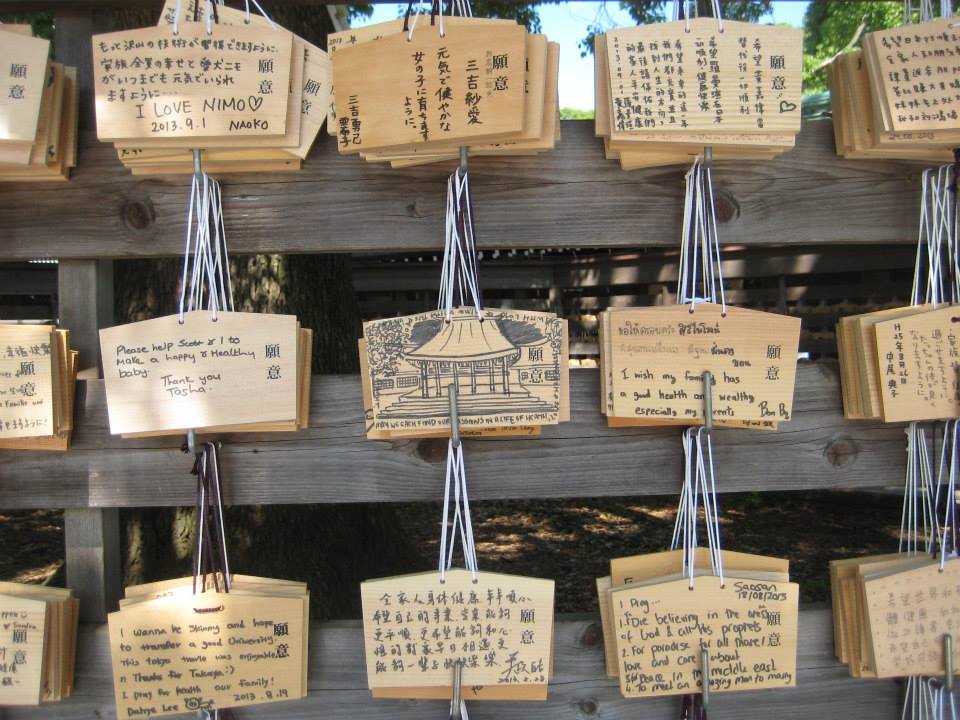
(334, 462)
(570, 197)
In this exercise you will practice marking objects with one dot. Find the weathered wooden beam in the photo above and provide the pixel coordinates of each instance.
(333, 462)
(91, 535)
(580, 689)
(570, 197)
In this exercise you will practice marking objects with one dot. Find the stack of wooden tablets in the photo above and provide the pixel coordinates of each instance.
(39, 105)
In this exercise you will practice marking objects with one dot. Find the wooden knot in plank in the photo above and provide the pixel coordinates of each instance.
(841, 452)
(592, 635)
(432, 450)
(137, 214)
(727, 206)
(588, 706)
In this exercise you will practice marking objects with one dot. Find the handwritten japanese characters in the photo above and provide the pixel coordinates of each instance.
(416, 627)
(38, 635)
(463, 86)
(349, 38)
(666, 77)
(183, 653)
(918, 358)
(307, 105)
(857, 129)
(907, 613)
(748, 627)
(665, 91)
(510, 369)
(28, 381)
(152, 83)
(657, 357)
(162, 374)
(23, 623)
(38, 105)
(913, 72)
(23, 71)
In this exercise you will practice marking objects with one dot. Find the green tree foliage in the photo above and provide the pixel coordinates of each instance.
(575, 114)
(830, 26)
(646, 12)
(42, 23)
(524, 13)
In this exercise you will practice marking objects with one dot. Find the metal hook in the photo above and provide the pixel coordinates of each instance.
(457, 702)
(708, 401)
(705, 675)
(197, 172)
(454, 414)
(192, 441)
(707, 156)
(463, 159)
(948, 662)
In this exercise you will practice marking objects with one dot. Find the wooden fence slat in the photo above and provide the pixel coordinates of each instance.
(91, 535)
(333, 462)
(580, 689)
(570, 197)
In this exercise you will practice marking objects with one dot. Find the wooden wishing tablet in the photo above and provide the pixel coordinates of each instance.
(23, 627)
(640, 568)
(918, 358)
(744, 79)
(651, 566)
(57, 636)
(509, 369)
(310, 101)
(152, 83)
(907, 615)
(749, 628)
(24, 62)
(913, 71)
(466, 85)
(29, 382)
(185, 653)
(500, 626)
(164, 375)
(659, 354)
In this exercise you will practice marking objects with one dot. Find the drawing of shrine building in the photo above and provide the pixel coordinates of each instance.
(481, 362)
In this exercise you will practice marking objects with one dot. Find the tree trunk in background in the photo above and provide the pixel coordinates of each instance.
(344, 544)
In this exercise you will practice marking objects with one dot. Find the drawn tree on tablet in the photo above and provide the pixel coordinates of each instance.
(384, 347)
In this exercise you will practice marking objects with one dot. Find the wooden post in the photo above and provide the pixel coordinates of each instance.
(92, 535)
(92, 538)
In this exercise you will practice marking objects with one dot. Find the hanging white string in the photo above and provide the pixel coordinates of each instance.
(416, 16)
(176, 18)
(461, 523)
(273, 25)
(710, 506)
(920, 528)
(918, 522)
(700, 273)
(947, 487)
(718, 15)
(463, 709)
(699, 481)
(205, 277)
(458, 273)
(443, 32)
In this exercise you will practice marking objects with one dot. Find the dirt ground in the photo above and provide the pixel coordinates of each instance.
(573, 540)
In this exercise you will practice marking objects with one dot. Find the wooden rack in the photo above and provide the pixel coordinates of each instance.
(571, 197)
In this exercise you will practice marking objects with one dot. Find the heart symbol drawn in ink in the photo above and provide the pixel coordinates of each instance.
(256, 102)
(786, 106)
